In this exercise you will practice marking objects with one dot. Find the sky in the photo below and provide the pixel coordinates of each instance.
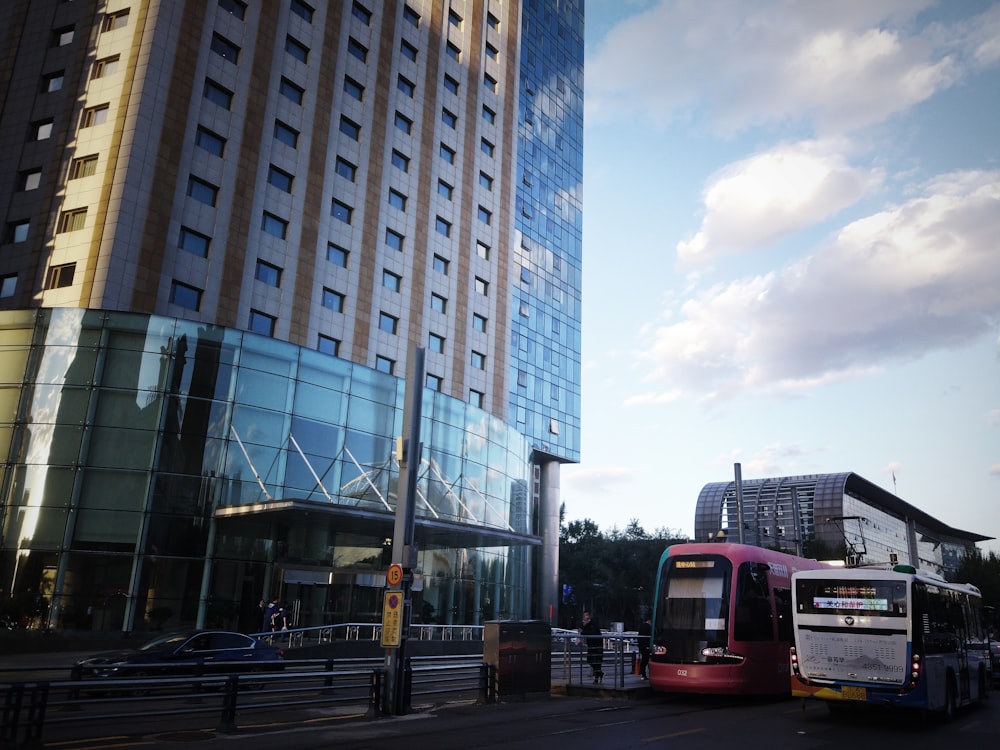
(791, 253)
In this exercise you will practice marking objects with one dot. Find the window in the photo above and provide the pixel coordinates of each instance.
(411, 16)
(333, 300)
(479, 322)
(225, 48)
(448, 154)
(327, 345)
(522, 379)
(29, 180)
(449, 118)
(440, 264)
(279, 178)
(95, 115)
(486, 147)
(218, 94)
(492, 52)
(434, 382)
(345, 169)
(453, 52)
(387, 323)
(523, 309)
(525, 275)
(482, 286)
(268, 273)
(73, 220)
(492, 22)
(236, 8)
(391, 281)
(478, 360)
(59, 277)
(53, 82)
(8, 284)
(302, 10)
(490, 82)
(17, 231)
(384, 364)
(476, 398)
(114, 21)
(194, 242)
(397, 200)
(201, 191)
(286, 134)
(106, 66)
(403, 123)
(361, 13)
(406, 86)
(262, 323)
(486, 181)
(212, 142)
(408, 50)
(435, 343)
(451, 85)
(442, 227)
(482, 250)
(353, 89)
(336, 255)
(489, 115)
(350, 128)
(485, 216)
(62, 37)
(42, 130)
(400, 161)
(394, 240)
(185, 295)
(357, 49)
(439, 303)
(291, 91)
(274, 226)
(296, 49)
(445, 190)
(341, 211)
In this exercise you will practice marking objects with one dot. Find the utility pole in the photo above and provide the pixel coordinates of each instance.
(404, 550)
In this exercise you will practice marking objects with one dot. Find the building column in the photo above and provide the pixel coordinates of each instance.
(549, 500)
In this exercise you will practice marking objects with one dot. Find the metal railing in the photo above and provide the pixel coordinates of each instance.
(366, 631)
(570, 664)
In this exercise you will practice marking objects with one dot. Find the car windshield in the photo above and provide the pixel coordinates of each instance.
(169, 640)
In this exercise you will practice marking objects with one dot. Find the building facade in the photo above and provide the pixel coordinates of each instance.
(833, 513)
(231, 225)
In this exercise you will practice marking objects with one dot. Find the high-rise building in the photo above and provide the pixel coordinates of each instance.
(227, 227)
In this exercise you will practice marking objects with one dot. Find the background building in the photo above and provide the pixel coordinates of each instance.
(834, 513)
(227, 226)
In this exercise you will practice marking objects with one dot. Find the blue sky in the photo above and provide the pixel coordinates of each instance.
(791, 253)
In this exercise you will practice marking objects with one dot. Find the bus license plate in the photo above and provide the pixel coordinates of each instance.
(852, 693)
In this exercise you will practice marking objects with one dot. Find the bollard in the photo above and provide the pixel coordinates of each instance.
(375, 693)
(227, 722)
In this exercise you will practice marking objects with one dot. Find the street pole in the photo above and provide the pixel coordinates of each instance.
(404, 551)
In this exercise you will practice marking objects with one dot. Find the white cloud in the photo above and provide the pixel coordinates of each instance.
(771, 194)
(836, 66)
(913, 278)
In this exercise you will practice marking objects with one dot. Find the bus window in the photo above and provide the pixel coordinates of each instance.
(783, 606)
(753, 607)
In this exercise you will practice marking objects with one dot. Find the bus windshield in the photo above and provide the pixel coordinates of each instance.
(694, 606)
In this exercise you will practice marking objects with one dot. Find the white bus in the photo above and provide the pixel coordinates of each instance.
(890, 637)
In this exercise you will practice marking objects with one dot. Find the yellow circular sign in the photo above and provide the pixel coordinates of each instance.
(395, 574)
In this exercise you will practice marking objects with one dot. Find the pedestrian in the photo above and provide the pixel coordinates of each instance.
(267, 614)
(591, 632)
(645, 637)
(279, 620)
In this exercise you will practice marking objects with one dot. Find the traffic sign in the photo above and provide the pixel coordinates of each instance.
(394, 576)
(392, 618)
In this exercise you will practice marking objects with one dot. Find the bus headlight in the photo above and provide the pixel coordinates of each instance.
(720, 655)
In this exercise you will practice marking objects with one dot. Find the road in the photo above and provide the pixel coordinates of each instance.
(585, 723)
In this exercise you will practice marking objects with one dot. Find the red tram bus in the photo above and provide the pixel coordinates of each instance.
(722, 619)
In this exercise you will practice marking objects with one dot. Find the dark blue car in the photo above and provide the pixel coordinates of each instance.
(195, 652)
